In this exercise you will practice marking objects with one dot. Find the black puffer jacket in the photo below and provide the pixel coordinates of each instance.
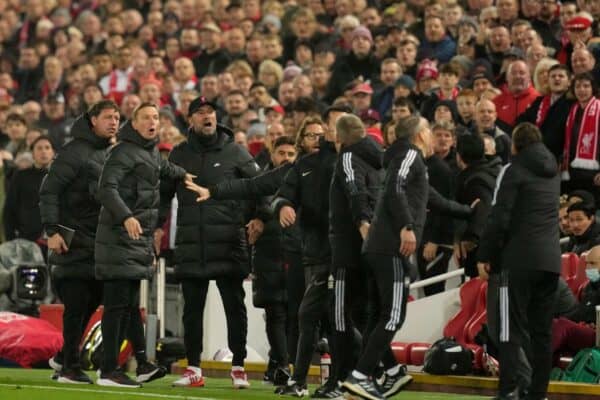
(210, 239)
(269, 284)
(355, 187)
(21, 208)
(306, 189)
(67, 198)
(129, 187)
(522, 231)
(403, 199)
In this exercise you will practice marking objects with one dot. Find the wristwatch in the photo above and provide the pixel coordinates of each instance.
(408, 227)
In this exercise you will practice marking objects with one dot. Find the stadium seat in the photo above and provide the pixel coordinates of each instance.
(400, 350)
(579, 277)
(416, 352)
(469, 294)
(479, 318)
(569, 263)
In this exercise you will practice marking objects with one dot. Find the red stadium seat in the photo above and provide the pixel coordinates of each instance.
(400, 350)
(569, 263)
(417, 352)
(479, 318)
(469, 294)
(579, 277)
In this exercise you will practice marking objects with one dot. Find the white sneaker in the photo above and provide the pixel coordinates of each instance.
(55, 365)
(192, 377)
(239, 378)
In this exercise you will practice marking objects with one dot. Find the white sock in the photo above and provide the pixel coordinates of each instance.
(237, 368)
(393, 371)
(358, 375)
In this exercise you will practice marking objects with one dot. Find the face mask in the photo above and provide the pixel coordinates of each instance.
(593, 274)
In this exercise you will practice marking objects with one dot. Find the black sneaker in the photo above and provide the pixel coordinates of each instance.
(294, 390)
(362, 387)
(281, 376)
(328, 392)
(147, 372)
(268, 377)
(117, 379)
(392, 384)
(74, 376)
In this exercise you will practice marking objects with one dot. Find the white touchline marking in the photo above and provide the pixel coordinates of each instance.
(129, 393)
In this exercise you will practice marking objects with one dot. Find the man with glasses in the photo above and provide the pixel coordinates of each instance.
(305, 190)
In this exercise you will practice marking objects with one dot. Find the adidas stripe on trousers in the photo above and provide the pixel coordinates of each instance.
(389, 291)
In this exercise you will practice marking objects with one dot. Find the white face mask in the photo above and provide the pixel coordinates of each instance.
(593, 274)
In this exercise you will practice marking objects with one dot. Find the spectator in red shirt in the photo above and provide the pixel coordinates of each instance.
(516, 97)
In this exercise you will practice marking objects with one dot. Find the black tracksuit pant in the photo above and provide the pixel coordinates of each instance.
(232, 294)
(121, 313)
(314, 308)
(349, 316)
(81, 298)
(390, 285)
(526, 308)
(295, 292)
(275, 324)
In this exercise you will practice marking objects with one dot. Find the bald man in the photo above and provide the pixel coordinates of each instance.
(517, 96)
(485, 122)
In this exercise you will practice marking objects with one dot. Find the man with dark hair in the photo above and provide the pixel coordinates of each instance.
(585, 231)
(211, 243)
(393, 237)
(550, 112)
(67, 199)
(124, 258)
(522, 227)
(475, 181)
(21, 209)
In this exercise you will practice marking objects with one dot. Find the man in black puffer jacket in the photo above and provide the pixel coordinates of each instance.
(210, 240)
(130, 197)
(521, 243)
(67, 198)
(355, 186)
(271, 267)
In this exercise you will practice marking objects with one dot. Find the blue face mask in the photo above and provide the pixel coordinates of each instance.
(593, 274)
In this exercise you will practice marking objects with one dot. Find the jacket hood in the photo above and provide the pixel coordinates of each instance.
(537, 159)
(82, 129)
(128, 134)
(486, 169)
(367, 150)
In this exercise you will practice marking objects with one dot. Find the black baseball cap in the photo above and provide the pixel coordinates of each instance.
(199, 102)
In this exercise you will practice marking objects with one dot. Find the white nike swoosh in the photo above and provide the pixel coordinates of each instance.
(306, 173)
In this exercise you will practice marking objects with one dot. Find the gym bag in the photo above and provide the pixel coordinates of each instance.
(448, 357)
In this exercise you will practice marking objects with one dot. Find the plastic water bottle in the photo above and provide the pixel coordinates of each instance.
(325, 367)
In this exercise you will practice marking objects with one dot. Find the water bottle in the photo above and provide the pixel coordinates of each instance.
(325, 367)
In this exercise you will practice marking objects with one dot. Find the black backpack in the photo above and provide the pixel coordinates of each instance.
(448, 357)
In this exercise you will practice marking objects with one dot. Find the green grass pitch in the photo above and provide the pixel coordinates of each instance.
(26, 384)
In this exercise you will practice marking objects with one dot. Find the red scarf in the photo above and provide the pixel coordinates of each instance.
(543, 110)
(587, 142)
(454, 94)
